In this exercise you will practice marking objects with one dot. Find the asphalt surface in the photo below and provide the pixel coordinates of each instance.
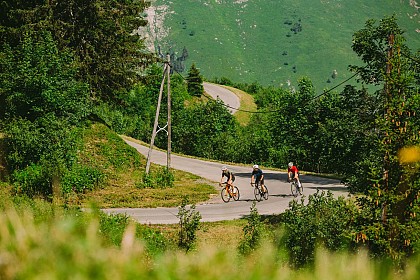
(215, 209)
(229, 98)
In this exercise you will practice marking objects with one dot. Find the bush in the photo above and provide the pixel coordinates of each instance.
(253, 232)
(39, 151)
(32, 181)
(324, 221)
(81, 178)
(158, 179)
(189, 221)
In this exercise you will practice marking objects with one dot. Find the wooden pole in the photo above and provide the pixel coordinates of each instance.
(168, 71)
(152, 140)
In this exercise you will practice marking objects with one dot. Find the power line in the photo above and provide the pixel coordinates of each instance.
(275, 111)
(409, 57)
(271, 111)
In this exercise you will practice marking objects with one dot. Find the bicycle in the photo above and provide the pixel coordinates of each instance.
(258, 192)
(229, 191)
(294, 187)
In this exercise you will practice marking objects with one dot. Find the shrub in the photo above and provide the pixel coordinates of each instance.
(189, 221)
(253, 232)
(156, 179)
(32, 181)
(324, 221)
(81, 178)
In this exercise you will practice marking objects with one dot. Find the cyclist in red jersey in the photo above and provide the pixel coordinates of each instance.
(293, 172)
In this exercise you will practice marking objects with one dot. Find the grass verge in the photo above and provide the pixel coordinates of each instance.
(123, 168)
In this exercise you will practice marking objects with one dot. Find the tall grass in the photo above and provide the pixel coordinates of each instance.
(40, 241)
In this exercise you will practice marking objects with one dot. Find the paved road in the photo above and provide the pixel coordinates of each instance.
(227, 96)
(215, 209)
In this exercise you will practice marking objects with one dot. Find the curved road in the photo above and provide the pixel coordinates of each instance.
(215, 209)
(229, 98)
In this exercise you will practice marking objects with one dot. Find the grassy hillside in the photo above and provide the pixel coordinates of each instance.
(122, 169)
(249, 41)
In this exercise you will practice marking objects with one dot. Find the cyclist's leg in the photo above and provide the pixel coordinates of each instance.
(232, 185)
(262, 185)
(258, 182)
(298, 180)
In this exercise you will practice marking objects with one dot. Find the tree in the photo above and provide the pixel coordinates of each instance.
(195, 81)
(42, 102)
(391, 202)
(37, 79)
(101, 33)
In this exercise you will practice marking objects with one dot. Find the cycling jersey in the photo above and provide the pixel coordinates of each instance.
(228, 174)
(257, 173)
(293, 169)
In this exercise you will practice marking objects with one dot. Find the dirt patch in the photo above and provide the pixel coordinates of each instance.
(155, 30)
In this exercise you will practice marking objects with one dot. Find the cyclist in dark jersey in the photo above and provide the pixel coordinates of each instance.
(230, 177)
(257, 176)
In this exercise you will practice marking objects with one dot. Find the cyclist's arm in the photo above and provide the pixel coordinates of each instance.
(296, 173)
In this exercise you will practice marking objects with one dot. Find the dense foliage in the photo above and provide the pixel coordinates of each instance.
(57, 60)
(391, 199)
(102, 35)
(64, 63)
(321, 222)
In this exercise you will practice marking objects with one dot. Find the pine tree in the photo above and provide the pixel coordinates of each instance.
(195, 81)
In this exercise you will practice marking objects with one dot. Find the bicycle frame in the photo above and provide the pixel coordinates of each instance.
(227, 192)
(258, 192)
(294, 187)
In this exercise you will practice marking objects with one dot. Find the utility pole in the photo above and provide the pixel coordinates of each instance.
(166, 72)
(168, 157)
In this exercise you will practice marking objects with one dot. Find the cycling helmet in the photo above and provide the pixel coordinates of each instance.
(224, 168)
(290, 164)
(255, 166)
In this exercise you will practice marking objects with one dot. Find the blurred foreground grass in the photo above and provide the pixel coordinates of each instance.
(41, 241)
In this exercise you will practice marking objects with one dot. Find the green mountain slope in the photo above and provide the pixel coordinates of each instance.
(272, 42)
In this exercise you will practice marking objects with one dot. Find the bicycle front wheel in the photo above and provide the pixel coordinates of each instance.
(225, 195)
(257, 193)
(236, 194)
(294, 188)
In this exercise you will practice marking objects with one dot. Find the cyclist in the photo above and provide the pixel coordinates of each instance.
(230, 177)
(293, 172)
(257, 176)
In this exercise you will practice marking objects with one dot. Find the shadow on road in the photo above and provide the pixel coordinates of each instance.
(326, 188)
(309, 179)
(281, 195)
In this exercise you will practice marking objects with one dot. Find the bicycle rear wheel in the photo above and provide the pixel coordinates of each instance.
(225, 195)
(300, 189)
(236, 194)
(266, 192)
